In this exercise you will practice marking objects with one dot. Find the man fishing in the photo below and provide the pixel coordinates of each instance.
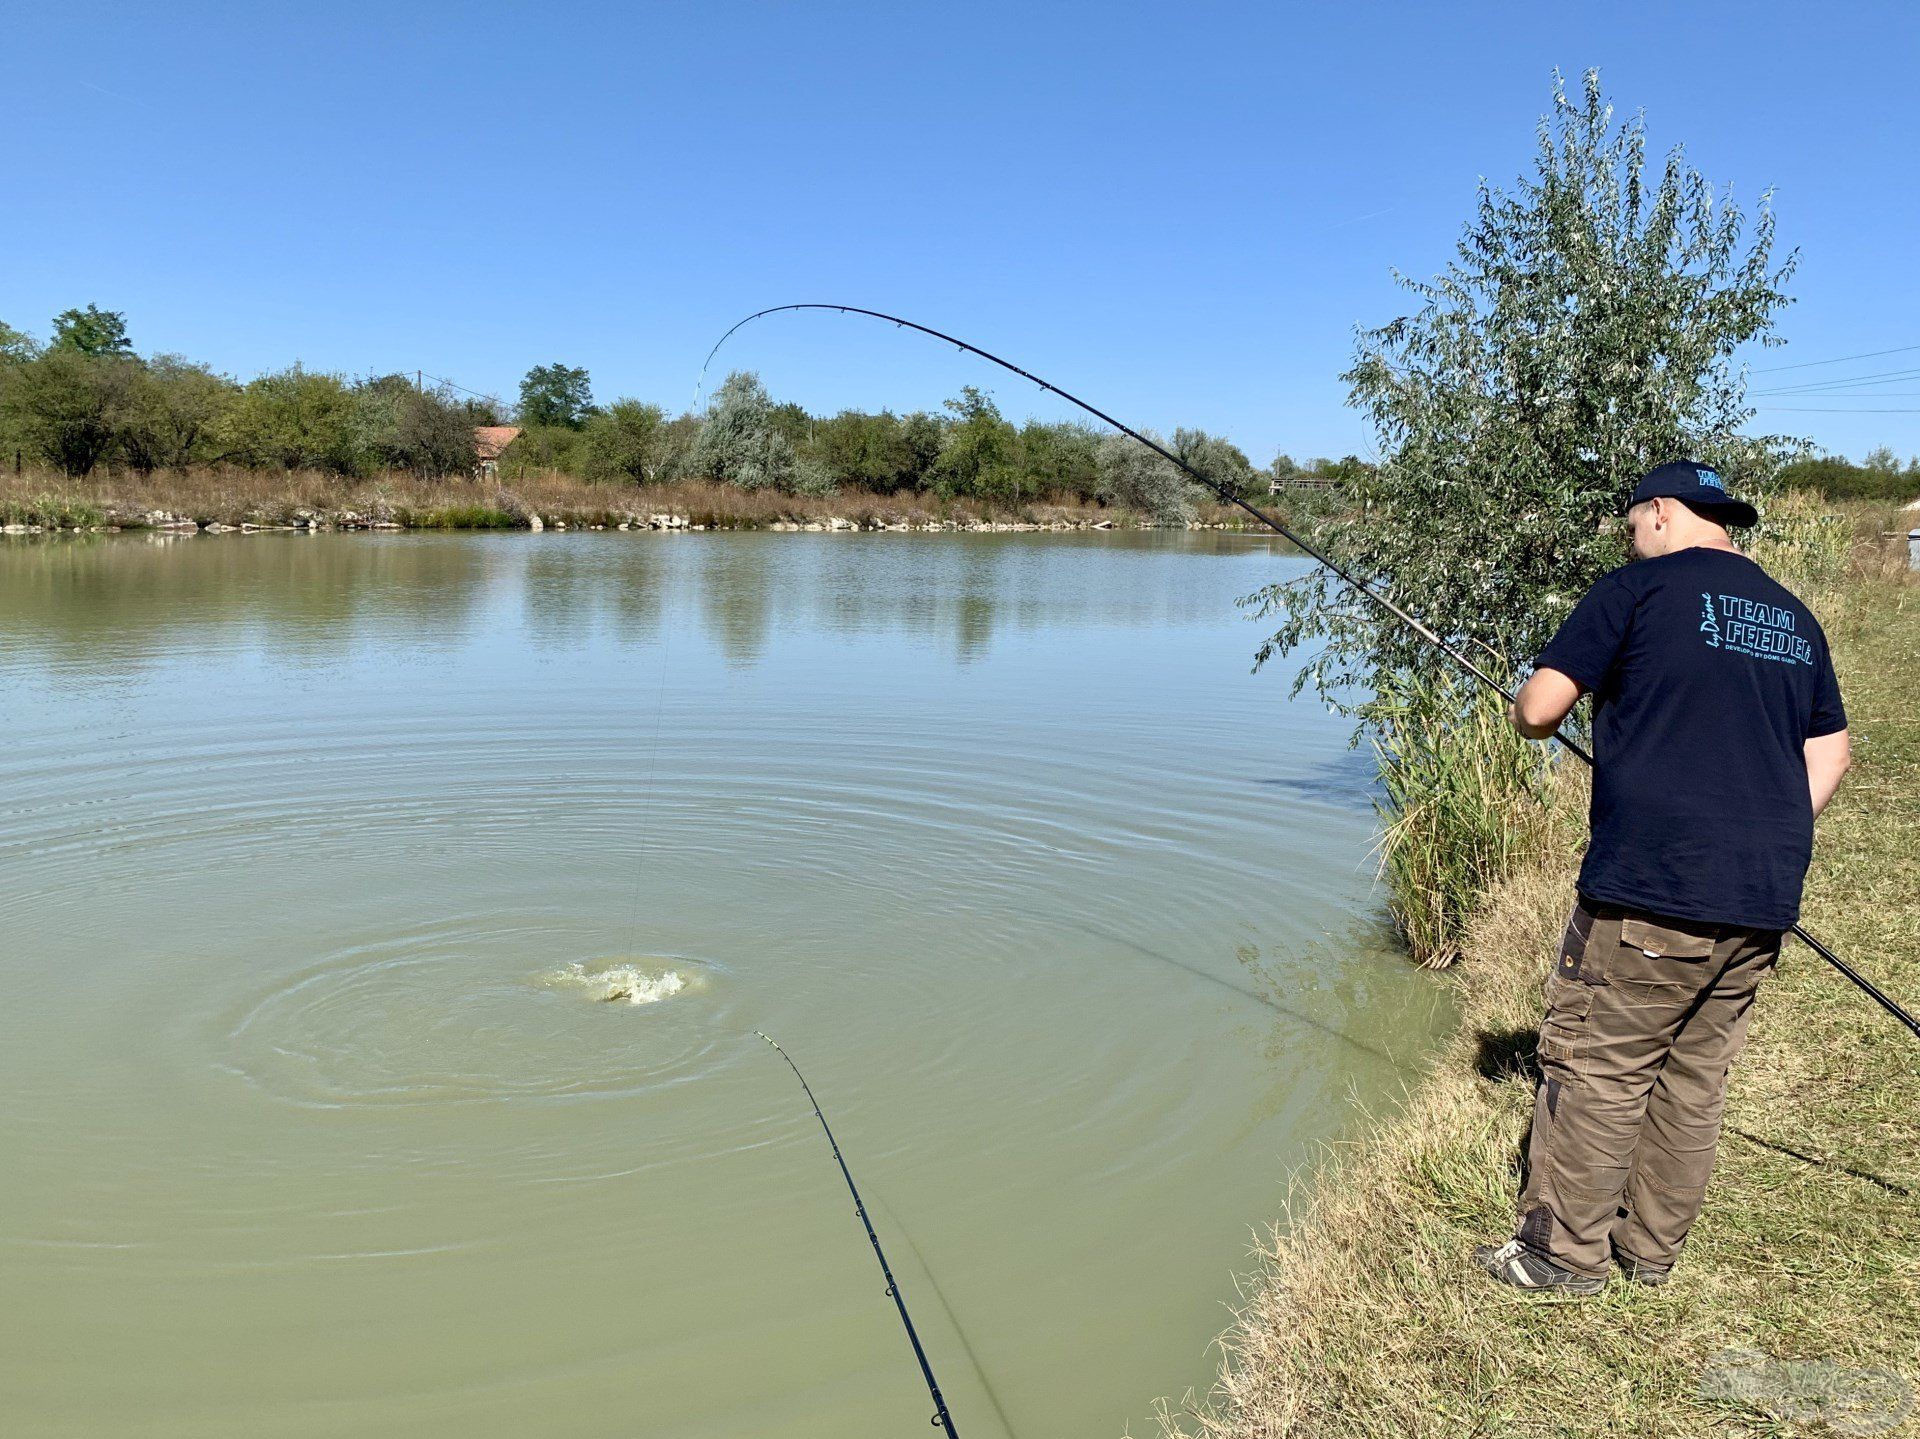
(1718, 736)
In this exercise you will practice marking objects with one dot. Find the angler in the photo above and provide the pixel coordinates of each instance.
(1712, 759)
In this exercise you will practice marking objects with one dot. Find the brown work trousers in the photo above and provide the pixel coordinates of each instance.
(1644, 1015)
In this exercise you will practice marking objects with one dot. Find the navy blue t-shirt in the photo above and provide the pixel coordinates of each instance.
(1707, 678)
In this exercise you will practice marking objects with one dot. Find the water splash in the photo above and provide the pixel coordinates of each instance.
(619, 983)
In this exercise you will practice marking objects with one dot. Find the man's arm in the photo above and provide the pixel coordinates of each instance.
(1828, 757)
(1544, 702)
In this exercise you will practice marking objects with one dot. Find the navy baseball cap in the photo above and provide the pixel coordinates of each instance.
(1698, 488)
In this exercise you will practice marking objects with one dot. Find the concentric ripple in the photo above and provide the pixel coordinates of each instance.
(454, 1015)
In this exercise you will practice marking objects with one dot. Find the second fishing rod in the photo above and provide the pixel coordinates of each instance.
(1378, 597)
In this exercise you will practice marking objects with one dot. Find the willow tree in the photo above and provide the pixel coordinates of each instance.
(739, 443)
(1583, 333)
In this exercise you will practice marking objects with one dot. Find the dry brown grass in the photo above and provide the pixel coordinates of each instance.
(1365, 1317)
(235, 497)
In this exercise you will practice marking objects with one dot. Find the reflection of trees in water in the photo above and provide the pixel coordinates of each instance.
(969, 587)
(736, 595)
(561, 597)
(973, 628)
(573, 587)
(121, 601)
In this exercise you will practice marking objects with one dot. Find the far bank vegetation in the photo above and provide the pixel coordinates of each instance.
(89, 426)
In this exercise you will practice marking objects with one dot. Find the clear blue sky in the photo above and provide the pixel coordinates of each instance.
(1179, 211)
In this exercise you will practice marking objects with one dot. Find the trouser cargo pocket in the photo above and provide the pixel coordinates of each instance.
(1660, 960)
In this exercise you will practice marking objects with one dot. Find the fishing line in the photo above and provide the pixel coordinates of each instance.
(1418, 627)
(646, 792)
(941, 1418)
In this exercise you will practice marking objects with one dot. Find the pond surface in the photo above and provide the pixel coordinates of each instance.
(385, 922)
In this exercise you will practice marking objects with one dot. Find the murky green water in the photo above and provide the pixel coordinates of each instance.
(311, 1130)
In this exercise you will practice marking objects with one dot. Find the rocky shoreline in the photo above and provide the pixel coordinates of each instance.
(381, 519)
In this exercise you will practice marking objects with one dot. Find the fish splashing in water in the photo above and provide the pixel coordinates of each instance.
(622, 983)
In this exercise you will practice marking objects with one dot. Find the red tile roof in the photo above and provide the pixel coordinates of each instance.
(490, 440)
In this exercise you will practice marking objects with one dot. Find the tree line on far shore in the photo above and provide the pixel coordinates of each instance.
(85, 401)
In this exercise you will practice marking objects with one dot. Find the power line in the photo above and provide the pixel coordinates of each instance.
(443, 380)
(1809, 364)
(1817, 410)
(1878, 377)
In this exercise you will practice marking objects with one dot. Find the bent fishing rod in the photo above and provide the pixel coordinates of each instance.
(1425, 631)
(941, 1418)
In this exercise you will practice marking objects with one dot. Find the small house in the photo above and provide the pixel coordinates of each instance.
(489, 443)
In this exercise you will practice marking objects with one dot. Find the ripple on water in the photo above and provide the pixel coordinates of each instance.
(452, 1016)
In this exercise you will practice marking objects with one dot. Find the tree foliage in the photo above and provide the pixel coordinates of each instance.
(16, 344)
(64, 406)
(625, 441)
(1582, 334)
(1220, 460)
(1879, 476)
(397, 425)
(92, 331)
(1061, 459)
(294, 419)
(555, 394)
(171, 410)
(739, 442)
(1131, 474)
(980, 452)
(880, 452)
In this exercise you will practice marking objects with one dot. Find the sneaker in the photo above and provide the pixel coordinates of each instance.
(1513, 1263)
(1640, 1272)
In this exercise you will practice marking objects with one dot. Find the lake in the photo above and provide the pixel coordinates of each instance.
(321, 857)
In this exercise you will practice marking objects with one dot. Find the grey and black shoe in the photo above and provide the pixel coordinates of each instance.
(1640, 1272)
(1515, 1264)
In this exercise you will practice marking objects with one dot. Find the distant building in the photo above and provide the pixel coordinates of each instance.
(1302, 482)
(489, 443)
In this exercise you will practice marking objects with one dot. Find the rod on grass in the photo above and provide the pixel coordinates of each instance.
(941, 1418)
(1418, 627)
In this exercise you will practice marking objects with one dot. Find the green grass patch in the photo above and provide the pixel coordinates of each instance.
(460, 517)
(61, 511)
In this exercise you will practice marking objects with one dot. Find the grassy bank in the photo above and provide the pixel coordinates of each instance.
(1365, 1317)
(235, 498)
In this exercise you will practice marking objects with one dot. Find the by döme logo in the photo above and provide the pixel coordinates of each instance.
(1709, 626)
(1711, 479)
